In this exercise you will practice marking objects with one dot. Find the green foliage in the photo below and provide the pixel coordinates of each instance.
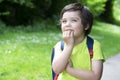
(116, 11)
(1, 1)
(57, 5)
(17, 12)
(2, 27)
(117, 2)
(27, 3)
(96, 6)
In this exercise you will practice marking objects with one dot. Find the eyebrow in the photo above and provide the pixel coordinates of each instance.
(71, 18)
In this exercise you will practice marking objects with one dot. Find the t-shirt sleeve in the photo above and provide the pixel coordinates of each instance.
(57, 50)
(97, 51)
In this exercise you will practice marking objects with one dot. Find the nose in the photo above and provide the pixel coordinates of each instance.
(68, 24)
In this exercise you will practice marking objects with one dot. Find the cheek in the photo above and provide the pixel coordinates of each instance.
(79, 30)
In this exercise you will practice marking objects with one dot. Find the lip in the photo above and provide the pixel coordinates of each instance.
(68, 30)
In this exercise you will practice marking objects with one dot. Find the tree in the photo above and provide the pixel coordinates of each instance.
(95, 6)
(18, 12)
(107, 15)
(57, 5)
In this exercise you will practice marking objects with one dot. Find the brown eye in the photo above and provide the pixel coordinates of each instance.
(63, 21)
(74, 20)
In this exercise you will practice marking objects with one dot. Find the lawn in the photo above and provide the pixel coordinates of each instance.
(26, 55)
(109, 37)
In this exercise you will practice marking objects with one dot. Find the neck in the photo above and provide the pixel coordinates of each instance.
(79, 40)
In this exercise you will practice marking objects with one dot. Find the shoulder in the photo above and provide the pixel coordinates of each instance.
(96, 43)
(98, 53)
(57, 48)
(57, 44)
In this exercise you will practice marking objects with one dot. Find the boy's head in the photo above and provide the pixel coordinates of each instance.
(84, 13)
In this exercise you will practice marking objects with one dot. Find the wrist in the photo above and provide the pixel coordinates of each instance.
(70, 45)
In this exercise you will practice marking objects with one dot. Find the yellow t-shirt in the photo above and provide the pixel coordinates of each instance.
(80, 57)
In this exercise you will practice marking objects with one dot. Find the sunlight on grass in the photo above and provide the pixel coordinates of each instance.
(109, 37)
(107, 28)
(24, 56)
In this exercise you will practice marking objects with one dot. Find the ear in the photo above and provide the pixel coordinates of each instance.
(87, 27)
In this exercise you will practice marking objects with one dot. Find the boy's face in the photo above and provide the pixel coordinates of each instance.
(71, 21)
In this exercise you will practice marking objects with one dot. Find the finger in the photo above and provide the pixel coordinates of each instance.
(67, 33)
(72, 33)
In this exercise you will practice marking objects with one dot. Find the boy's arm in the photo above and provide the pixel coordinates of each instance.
(94, 74)
(61, 59)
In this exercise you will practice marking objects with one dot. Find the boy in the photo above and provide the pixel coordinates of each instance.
(74, 63)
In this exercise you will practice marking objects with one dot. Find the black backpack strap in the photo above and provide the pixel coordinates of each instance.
(90, 43)
(53, 51)
(62, 45)
(53, 73)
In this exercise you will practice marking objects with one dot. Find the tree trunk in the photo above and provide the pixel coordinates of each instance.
(107, 15)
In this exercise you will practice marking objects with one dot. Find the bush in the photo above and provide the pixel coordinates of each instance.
(17, 12)
(96, 6)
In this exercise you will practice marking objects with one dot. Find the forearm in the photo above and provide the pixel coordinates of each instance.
(94, 74)
(61, 61)
(83, 74)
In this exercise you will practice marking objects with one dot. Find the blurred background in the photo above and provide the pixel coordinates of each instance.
(29, 29)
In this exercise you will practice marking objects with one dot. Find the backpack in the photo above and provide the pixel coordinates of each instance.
(89, 43)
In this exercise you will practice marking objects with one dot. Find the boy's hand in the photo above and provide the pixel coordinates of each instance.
(68, 37)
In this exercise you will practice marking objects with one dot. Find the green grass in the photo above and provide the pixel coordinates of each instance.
(109, 37)
(26, 55)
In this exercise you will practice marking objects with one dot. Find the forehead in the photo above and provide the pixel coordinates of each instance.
(74, 14)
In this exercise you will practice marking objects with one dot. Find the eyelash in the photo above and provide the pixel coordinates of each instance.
(64, 21)
(74, 20)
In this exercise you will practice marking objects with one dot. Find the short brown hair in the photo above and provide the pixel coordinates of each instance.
(85, 14)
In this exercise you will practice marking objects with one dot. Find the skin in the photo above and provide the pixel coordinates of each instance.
(74, 34)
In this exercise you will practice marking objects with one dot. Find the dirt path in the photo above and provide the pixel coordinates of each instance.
(112, 68)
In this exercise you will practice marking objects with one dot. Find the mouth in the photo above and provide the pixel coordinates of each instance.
(68, 30)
